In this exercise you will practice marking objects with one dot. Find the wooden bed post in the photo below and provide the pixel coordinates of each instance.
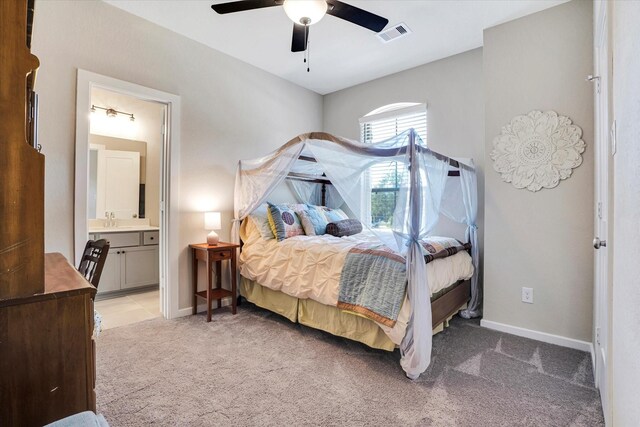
(324, 194)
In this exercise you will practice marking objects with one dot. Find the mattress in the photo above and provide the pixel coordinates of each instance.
(309, 267)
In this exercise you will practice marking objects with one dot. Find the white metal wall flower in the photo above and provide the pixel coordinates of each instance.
(537, 150)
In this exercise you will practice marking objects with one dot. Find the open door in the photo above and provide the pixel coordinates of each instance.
(604, 148)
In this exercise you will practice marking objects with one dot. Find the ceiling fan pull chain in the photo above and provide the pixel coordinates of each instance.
(307, 51)
(306, 31)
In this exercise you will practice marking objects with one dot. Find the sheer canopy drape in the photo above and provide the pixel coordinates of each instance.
(422, 196)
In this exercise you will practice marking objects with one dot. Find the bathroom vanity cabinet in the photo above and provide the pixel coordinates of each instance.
(133, 260)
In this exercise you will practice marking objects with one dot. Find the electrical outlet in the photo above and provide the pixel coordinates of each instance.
(527, 295)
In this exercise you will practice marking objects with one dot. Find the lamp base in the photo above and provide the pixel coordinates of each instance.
(213, 239)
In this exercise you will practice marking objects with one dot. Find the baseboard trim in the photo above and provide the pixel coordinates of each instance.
(123, 292)
(201, 307)
(539, 336)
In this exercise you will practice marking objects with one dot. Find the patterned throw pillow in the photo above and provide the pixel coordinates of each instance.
(345, 227)
(284, 221)
(313, 221)
(261, 220)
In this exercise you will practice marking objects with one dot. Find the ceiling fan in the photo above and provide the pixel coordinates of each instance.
(304, 13)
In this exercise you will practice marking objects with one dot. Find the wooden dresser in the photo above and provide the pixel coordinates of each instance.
(47, 354)
(47, 361)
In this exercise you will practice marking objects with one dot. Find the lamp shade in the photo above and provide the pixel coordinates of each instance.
(305, 12)
(212, 221)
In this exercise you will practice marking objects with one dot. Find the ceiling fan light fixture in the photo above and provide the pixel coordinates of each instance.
(305, 12)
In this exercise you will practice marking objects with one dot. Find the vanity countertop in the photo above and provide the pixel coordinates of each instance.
(123, 229)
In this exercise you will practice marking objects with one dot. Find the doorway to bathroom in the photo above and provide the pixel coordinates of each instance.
(126, 138)
(125, 141)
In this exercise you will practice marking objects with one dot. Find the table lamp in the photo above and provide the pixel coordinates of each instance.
(212, 222)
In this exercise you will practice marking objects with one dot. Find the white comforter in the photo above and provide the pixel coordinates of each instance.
(310, 267)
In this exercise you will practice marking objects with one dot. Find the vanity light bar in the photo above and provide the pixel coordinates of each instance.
(111, 112)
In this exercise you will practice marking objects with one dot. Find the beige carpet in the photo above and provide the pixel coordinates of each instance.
(256, 368)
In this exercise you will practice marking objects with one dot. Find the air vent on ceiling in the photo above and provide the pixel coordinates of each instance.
(394, 33)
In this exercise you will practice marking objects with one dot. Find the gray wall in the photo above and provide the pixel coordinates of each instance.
(626, 200)
(540, 240)
(452, 90)
(230, 110)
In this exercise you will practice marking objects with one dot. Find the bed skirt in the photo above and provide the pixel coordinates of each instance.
(324, 317)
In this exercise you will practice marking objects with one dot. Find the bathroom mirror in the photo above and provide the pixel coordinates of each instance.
(117, 171)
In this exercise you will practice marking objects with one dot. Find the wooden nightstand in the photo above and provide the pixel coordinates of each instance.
(210, 254)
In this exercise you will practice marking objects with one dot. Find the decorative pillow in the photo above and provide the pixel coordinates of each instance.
(313, 221)
(260, 218)
(316, 207)
(441, 247)
(284, 221)
(334, 215)
(345, 227)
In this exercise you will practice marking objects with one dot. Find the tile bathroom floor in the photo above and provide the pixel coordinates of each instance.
(129, 309)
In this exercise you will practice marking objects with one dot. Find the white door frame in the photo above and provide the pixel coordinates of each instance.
(601, 312)
(170, 176)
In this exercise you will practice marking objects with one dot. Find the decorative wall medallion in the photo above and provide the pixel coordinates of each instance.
(537, 150)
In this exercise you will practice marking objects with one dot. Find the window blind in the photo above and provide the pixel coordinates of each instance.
(386, 178)
(385, 128)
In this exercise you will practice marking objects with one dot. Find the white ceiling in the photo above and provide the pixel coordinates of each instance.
(342, 54)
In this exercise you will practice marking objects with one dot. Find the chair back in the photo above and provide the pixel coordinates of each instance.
(93, 259)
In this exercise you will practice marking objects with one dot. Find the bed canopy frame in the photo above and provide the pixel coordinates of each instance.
(334, 170)
(323, 181)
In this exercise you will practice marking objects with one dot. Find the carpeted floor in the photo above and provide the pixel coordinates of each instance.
(257, 368)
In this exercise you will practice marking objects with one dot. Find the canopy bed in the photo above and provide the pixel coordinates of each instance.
(383, 287)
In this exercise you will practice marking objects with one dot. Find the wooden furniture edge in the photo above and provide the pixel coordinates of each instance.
(449, 303)
(206, 247)
(224, 251)
(57, 269)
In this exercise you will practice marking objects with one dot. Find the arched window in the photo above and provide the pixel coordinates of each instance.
(385, 178)
(390, 120)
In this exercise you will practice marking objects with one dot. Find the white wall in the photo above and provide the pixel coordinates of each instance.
(452, 90)
(626, 199)
(230, 110)
(540, 240)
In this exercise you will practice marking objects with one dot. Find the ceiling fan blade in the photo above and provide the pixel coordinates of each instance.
(240, 6)
(356, 15)
(300, 38)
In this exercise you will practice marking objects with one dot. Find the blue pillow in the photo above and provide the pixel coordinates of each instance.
(260, 219)
(313, 222)
(334, 215)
